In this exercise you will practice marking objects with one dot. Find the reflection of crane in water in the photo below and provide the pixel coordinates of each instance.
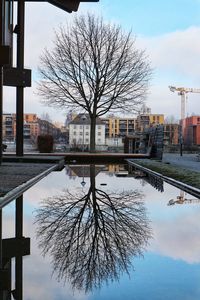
(182, 199)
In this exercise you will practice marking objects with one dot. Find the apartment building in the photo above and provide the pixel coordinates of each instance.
(171, 134)
(119, 127)
(8, 127)
(33, 126)
(191, 131)
(148, 120)
(79, 131)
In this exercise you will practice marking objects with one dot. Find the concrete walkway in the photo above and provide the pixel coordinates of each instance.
(19, 174)
(187, 161)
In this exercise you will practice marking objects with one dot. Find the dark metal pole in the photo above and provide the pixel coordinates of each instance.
(19, 259)
(1, 79)
(1, 251)
(1, 112)
(20, 89)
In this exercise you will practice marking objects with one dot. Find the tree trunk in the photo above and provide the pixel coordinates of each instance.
(92, 134)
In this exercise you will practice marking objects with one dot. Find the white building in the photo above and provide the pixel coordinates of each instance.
(79, 132)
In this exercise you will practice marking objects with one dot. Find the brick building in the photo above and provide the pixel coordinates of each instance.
(171, 134)
(191, 131)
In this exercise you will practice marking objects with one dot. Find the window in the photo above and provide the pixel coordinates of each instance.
(81, 127)
(87, 127)
(87, 133)
(74, 132)
(87, 140)
(81, 133)
(99, 140)
(74, 126)
(99, 133)
(99, 126)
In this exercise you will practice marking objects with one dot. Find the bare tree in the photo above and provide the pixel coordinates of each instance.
(95, 67)
(92, 237)
(171, 119)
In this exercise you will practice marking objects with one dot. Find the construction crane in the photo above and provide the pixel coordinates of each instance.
(183, 92)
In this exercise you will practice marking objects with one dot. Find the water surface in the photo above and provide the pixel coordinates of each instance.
(106, 232)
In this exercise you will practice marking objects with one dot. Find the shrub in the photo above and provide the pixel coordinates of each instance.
(45, 143)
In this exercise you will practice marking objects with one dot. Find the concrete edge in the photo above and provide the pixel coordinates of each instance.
(18, 191)
(185, 187)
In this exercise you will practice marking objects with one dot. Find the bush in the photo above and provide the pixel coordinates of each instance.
(45, 143)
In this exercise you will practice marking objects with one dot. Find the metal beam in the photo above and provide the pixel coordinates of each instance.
(20, 89)
(16, 77)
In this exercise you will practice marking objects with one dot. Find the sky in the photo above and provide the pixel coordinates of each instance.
(169, 32)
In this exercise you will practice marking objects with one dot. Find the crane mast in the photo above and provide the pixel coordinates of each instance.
(182, 91)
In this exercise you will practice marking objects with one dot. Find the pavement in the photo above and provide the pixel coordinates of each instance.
(17, 174)
(187, 161)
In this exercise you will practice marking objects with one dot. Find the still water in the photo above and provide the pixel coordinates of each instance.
(108, 232)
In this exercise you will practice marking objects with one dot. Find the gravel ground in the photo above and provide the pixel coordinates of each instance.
(187, 161)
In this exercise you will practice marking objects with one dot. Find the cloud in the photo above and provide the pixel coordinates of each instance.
(175, 60)
(178, 238)
(174, 56)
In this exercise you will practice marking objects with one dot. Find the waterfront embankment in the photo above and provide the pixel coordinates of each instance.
(185, 169)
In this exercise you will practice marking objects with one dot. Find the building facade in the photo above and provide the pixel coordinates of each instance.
(33, 126)
(191, 131)
(119, 127)
(171, 134)
(8, 127)
(146, 120)
(79, 132)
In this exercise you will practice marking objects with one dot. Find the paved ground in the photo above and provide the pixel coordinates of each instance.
(188, 161)
(13, 175)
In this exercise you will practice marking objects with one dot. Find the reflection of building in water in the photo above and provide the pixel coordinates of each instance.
(155, 181)
(82, 170)
(181, 199)
(113, 169)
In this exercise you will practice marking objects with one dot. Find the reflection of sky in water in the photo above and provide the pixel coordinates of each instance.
(170, 268)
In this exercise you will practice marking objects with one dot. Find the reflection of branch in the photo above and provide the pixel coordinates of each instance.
(92, 237)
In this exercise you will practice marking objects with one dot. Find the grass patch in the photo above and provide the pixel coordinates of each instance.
(178, 173)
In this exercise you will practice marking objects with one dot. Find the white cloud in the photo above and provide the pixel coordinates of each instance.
(175, 58)
(178, 238)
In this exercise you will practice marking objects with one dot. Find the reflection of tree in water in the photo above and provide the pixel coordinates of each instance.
(92, 237)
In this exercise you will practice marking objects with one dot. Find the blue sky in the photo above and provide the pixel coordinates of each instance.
(153, 17)
(169, 31)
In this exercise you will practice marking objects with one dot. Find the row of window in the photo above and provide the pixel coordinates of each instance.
(86, 133)
(86, 141)
(86, 126)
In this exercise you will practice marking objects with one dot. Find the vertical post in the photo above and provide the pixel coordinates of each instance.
(1, 112)
(1, 251)
(181, 138)
(20, 89)
(1, 77)
(19, 259)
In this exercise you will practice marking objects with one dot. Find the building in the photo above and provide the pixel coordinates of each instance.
(33, 126)
(79, 132)
(171, 134)
(148, 120)
(47, 128)
(119, 127)
(191, 131)
(8, 127)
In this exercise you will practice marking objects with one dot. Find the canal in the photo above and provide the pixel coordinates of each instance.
(104, 232)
